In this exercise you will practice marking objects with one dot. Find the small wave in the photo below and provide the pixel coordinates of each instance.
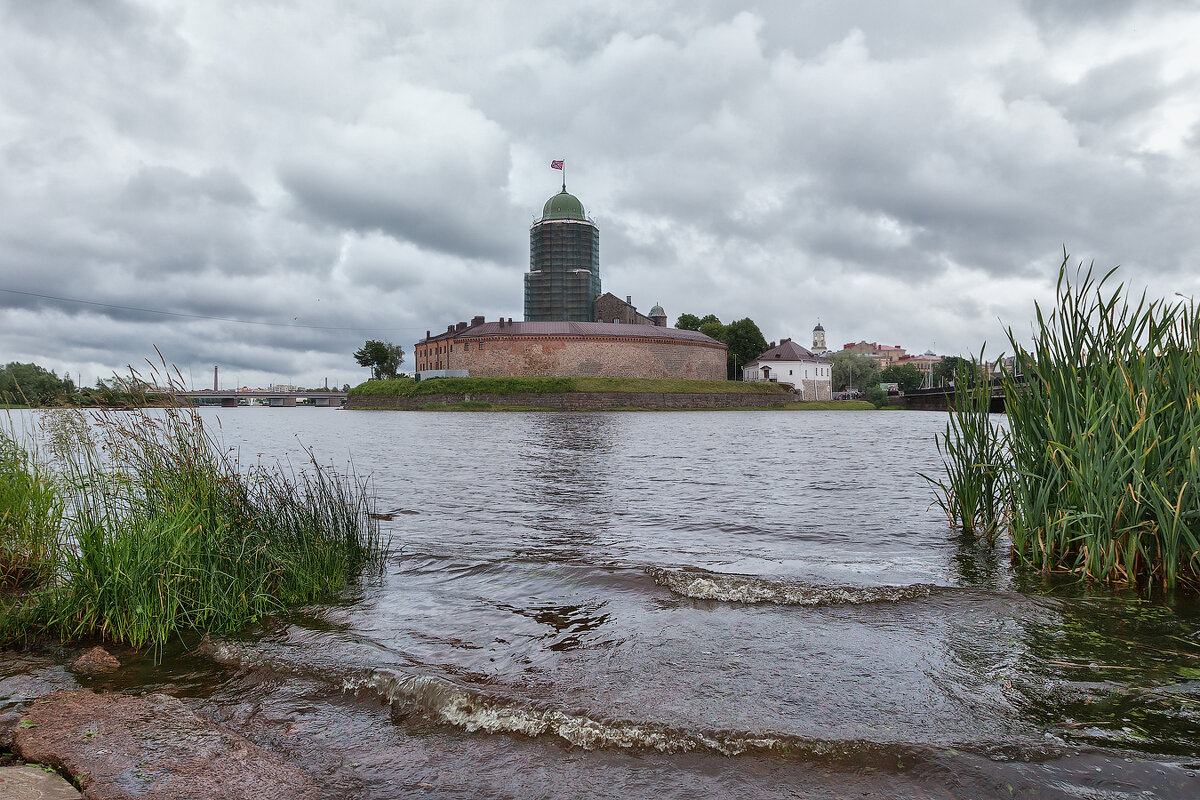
(704, 585)
(448, 703)
(445, 702)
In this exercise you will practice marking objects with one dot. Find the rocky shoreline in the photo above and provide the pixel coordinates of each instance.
(114, 746)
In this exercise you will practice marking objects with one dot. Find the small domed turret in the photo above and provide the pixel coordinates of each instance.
(563, 206)
(658, 315)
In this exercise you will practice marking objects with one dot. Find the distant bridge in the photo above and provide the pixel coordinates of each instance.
(322, 398)
(941, 398)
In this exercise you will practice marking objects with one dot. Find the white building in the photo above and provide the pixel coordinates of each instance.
(788, 362)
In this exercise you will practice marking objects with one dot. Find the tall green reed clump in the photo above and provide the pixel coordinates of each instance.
(1105, 430)
(974, 451)
(171, 534)
(1098, 472)
(31, 507)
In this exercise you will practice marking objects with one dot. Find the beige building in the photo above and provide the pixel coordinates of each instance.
(886, 353)
(924, 362)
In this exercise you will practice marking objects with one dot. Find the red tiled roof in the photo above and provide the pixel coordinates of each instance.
(787, 351)
(591, 329)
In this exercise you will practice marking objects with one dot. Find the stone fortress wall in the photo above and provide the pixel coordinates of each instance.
(495, 357)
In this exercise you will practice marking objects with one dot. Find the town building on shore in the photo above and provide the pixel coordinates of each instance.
(610, 308)
(924, 362)
(811, 375)
(887, 354)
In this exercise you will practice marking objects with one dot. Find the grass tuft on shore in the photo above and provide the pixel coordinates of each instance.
(167, 533)
(31, 508)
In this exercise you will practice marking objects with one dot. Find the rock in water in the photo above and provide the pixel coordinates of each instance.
(95, 661)
(34, 783)
(121, 748)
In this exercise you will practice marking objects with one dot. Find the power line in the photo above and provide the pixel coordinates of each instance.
(197, 316)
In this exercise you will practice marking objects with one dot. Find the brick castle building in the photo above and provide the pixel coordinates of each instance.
(570, 328)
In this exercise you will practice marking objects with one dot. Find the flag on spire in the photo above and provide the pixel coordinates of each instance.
(556, 165)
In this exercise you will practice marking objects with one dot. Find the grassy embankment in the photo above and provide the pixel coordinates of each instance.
(407, 387)
(148, 529)
(1098, 473)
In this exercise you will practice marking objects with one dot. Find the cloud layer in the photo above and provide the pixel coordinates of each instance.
(347, 170)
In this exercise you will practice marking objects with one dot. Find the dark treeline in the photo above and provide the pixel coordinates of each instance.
(33, 385)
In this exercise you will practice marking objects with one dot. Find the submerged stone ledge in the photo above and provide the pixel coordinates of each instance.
(120, 747)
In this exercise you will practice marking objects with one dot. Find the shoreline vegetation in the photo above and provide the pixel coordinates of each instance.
(140, 528)
(1097, 473)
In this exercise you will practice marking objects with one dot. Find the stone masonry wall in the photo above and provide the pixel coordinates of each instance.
(578, 401)
(817, 390)
(573, 356)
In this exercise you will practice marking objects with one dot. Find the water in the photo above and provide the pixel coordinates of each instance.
(722, 604)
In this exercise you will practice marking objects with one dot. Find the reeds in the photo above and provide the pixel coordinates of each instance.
(31, 507)
(974, 453)
(168, 533)
(1102, 458)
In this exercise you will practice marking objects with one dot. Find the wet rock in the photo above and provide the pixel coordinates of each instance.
(8, 721)
(33, 783)
(95, 661)
(121, 748)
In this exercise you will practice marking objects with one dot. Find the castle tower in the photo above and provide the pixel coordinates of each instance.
(564, 263)
(819, 339)
(658, 315)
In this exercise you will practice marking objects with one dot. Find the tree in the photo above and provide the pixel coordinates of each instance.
(852, 369)
(384, 358)
(908, 376)
(744, 339)
(29, 384)
(713, 329)
(945, 370)
(745, 342)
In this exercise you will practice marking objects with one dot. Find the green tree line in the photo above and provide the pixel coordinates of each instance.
(743, 338)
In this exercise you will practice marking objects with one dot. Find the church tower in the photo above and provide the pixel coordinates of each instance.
(819, 339)
(563, 281)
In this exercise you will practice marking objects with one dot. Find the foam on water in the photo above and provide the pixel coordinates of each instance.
(448, 703)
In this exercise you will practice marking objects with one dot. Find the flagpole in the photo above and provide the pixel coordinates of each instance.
(564, 172)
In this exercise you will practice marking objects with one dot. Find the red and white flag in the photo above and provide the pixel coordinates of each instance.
(556, 165)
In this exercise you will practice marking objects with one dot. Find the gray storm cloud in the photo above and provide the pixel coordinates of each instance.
(369, 170)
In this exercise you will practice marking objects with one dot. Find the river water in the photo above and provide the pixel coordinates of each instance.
(680, 605)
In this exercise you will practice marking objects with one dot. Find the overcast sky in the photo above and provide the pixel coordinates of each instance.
(907, 173)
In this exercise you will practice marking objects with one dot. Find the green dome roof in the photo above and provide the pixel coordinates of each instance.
(657, 311)
(563, 206)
